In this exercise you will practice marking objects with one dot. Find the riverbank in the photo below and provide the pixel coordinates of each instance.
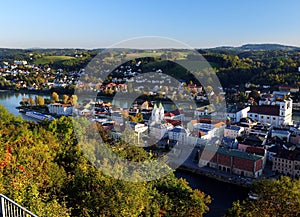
(222, 194)
(213, 175)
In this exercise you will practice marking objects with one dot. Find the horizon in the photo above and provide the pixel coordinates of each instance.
(162, 48)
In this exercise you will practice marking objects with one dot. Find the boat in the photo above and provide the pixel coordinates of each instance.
(39, 116)
(253, 196)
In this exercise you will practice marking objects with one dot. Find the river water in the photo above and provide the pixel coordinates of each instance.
(222, 194)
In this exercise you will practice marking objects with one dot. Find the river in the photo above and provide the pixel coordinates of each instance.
(223, 194)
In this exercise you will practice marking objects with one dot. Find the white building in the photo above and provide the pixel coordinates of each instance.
(275, 109)
(232, 131)
(276, 113)
(157, 113)
(158, 131)
(60, 109)
(236, 113)
(179, 134)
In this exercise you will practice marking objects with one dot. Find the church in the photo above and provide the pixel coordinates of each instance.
(158, 128)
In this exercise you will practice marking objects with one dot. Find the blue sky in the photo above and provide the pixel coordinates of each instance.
(99, 23)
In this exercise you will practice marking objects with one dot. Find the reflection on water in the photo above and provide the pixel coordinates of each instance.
(222, 194)
(11, 100)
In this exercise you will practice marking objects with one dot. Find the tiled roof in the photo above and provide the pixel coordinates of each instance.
(256, 150)
(265, 110)
(234, 153)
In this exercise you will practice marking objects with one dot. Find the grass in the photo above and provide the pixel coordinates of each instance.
(51, 59)
(144, 54)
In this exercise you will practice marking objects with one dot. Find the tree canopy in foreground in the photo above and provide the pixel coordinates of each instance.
(43, 169)
(274, 198)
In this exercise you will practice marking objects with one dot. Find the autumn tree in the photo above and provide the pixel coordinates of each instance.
(65, 99)
(40, 101)
(55, 97)
(275, 198)
(31, 101)
(74, 100)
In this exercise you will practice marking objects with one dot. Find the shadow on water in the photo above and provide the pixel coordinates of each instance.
(222, 194)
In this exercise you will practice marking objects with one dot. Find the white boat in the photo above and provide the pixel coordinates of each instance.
(253, 196)
(39, 116)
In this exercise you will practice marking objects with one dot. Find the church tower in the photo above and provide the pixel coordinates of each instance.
(158, 113)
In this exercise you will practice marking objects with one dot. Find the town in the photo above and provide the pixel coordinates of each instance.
(256, 138)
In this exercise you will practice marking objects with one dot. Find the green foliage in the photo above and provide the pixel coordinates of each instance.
(43, 168)
(51, 59)
(275, 198)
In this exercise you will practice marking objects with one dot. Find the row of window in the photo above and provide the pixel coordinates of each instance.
(282, 165)
(268, 118)
(283, 160)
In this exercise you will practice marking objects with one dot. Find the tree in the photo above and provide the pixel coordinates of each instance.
(31, 101)
(65, 99)
(40, 101)
(73, 100)
(55, 97)
(275, 198)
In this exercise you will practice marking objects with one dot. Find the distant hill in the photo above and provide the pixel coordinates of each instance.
(258, 47)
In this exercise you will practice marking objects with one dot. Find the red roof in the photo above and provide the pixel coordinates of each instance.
(265, 110)
(255, 150)
(173, 122)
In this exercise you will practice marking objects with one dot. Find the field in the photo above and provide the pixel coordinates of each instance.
(51, 59)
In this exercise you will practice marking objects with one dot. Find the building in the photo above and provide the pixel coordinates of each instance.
(236, 113)
(158, 113)
(179, 134)
(229, 143)
(60, 109)
(295, 138)
(275, 110)
(281, 133)
(276, 115)
(232, 131)
(159, 131)
(287, 163)
(289, 88)
(252, 140)
(231, 161)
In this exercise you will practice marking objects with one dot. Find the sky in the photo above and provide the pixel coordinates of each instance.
(101, 23)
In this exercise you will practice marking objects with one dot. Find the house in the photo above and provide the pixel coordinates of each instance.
(295, 138)
(236, 113)
(179, 134)
(232, 131)
(287, 163)
(197, 138)
(231, 143)
(159, 131)
(289, 88)
(60, 109)
(231, 161)
(281, 133)
(252, 140)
